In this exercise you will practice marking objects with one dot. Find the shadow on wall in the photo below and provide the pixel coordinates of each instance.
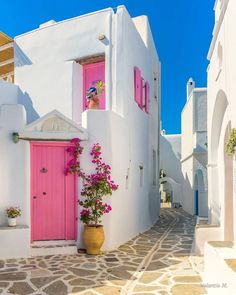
(20, 58)
(170, 160)
(25, 100)
(202, 158)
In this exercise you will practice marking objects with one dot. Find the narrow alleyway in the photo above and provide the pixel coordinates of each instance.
(158, 261)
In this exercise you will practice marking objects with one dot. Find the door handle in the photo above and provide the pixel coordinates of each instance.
(34, 197)
(44, 193)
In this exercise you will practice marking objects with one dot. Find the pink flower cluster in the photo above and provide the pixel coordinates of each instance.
(107, 208)
(73, 165)
(96, 185)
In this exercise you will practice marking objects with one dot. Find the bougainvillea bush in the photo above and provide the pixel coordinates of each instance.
(231, 143)
(95, 185)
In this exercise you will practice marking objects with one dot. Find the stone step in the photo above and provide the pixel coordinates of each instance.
(43, 248)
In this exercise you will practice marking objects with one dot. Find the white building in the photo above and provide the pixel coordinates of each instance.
(220, 256)
(54, 66)
(194, 151)
(222, 118)
(184, 157)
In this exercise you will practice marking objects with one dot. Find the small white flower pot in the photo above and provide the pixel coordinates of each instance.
(11, 221)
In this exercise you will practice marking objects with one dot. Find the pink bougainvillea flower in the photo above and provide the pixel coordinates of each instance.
(95, 185)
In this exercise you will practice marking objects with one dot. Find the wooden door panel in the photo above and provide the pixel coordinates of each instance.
(53, 193)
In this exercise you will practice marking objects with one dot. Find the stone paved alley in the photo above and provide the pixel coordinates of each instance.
(158, 261)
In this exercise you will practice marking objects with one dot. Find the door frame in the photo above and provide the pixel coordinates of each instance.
(196, 201)
(91, 66)
(57, 144)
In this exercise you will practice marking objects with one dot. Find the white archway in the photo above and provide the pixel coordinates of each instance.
(221, 104)
(228, 191)
(176, 189)
(220, 107)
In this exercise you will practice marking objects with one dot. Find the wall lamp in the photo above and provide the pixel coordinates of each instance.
(15, 137)
(101, 37)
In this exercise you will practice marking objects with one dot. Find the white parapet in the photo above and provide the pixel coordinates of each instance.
(219, 276)
(15, 242)
(204, 233)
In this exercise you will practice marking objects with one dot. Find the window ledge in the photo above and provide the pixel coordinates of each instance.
(6, 227)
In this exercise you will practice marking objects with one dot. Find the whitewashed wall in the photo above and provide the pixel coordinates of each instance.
(14, 170)
(135, 206)
(221, 108)
(194, 150)
(8, 93)
(13, 159)
(170, 156)
(14, 175)
(45, 57)
(46, 72)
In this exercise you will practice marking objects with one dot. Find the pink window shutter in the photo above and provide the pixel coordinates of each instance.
(143, 95)
(147, 97)
(138, 86)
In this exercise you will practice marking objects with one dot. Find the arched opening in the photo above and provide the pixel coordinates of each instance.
(200, 195)
(170, 191)
(228, 191)
(221, 104)
(217, 120)
(166, 191)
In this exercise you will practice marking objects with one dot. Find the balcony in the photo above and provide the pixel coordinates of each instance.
(6, 58)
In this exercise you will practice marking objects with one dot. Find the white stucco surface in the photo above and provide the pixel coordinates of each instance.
(170, 156)
(44, 60)
(218, 275)
(15, 242)
(221, 116)
(48, 77)
(8, 93)
(136, 205)
(204, 233)
(194, 150)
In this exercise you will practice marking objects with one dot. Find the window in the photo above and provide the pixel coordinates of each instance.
(141, 175)
(93, 73)
(138, 86)
(141, 91)
(147, 97)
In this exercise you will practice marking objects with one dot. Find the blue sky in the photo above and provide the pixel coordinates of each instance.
(181, 29)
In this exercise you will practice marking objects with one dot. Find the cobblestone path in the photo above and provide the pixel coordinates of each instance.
(158, 261)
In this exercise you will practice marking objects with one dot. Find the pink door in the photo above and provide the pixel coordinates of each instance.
(53, 195)
(93, 73)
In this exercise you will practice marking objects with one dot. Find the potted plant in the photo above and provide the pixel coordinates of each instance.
(12, 214)
(93, 93)
(95, 187)
(231, 143)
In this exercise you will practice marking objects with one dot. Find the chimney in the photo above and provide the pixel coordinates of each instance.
(190, 87)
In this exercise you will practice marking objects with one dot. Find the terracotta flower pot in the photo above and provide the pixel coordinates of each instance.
(93, 239)
(94, 103)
